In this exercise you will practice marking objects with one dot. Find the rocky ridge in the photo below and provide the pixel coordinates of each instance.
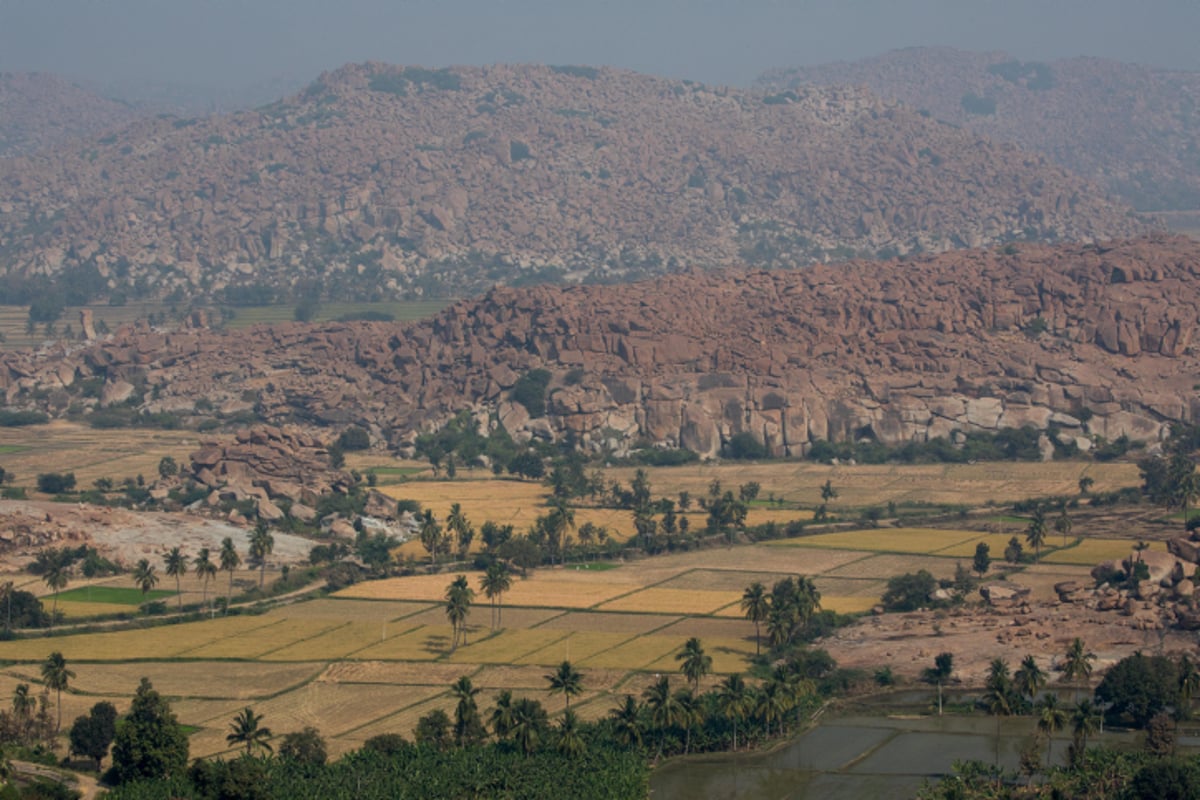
(1084, 341)
(1131, 128)
(39, 111)
(396, 181)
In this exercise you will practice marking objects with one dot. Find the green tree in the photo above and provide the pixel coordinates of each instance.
(1051, 718)
(55, 566)
(756, 606)
(305, 747)
(1077, 666)
(459, 595)
(435, 730)
(502, 717)
(1137, 687)
(262, 544)
(1085, 720)
(230, 560)
(144, 577)
(1035, 533)
(559, 524)
(627, 722)
(1085, 484)
(567, 681)
(663, 707)
(939, 673)
(176, 567)
(983, 559)
(734, 699)
(909, 591)
(246, 729)
(1063, 524)
(1189, 682)
(1013, 552)
(1029, 678)
(494, 582)
(149, 743)
(430, 534)
(998, 697)
(167, 468)
(92, 734)
(828, 492)
(568, 742)
(57, 676)
(468, 727)
(530, 724)
(205, 569)
(695, 663)
(458, 525)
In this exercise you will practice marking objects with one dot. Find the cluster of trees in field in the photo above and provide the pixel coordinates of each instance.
(1171, 479)
(1148, 692)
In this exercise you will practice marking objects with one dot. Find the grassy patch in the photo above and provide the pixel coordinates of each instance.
(115, 595)
(596, 566)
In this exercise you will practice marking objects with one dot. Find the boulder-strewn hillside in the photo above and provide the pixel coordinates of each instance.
(381, 180)
(1093, 340)
(40, 111)
(1133, 129)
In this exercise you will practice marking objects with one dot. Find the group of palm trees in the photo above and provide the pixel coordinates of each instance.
(495, 581)
(202, 564)
(786, 609)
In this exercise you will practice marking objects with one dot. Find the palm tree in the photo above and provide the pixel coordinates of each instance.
(144, 577)
(262, 544)
(939, 673)
(245, 730)
(1029, 678)
(23, 704)
(502, 717)
(627, 722)
(495, 582)
(1085, 719)
(998, 698)
(230, 560)
(206, 570)
(1035, 534)
(570, 743)
(457, 523)
(458, 607)
(663, 707)
(690, 713)
(468, 729)
(734, 700)
(756, 607)
(561, 521)
(1186, 491)
(1189, 682)
(1052, 717)
(1063, 524)
(176, 564)
(1078, 663)
(529, 721)
(430, 534)
(56, 676)
(696, 663)
(567, 681)
(770, 703)
(55, 565)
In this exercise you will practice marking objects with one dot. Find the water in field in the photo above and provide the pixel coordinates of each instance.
(855, 758)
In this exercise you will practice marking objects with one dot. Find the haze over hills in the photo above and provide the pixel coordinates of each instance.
(1078, 340)
(1133, 129)
(40, 111)
(390, 181)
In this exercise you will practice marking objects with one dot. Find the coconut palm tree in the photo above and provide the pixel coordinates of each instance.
(1029, 678)
(1085, 720)
(459, 595)
(771, 703)
(560, 523)
(734, 701)
(1063, 524)
(23, 704)
(1052, 717)
(262, 544)
(695, 662)
(205, 569)
(756, 606)
(177, 567)
(502, 717)
(55, 566)
(495, 582)
(230, 560)
(1186, 491)
(690, 713)
(245, 730)
(1035, 534)
(430, 534)
(567, 681)
(998, 699)
(1189, 682)
(458, 524)
(663, 707)
(627, 722)
(569, 743)
(1077, 666)
(56, 676)
(939, 673)
(144, 577)
(468, 728)
(529, 724)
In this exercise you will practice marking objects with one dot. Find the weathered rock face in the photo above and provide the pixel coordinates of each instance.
(1127, 127)
(389, 180)
(905, 350)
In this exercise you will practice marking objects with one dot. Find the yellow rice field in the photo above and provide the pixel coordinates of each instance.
(886, 540)
(1090, 552)
(679, 601)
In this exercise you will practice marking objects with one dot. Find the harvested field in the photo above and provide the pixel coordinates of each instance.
(636, 654)
(255, 643)
(425, 643)
(1090, 552)
(996, 543)
(575, 647)
(728, 655)
(708, 628)
(391, 672)
(885, 540)
(668, 601)
(194, 679)
(363, 610)
(164, 641)
(507, 647)
(882, 567)
(338, 641)
(722, 580)
(609, 621)
(850, 604)
(581, 590)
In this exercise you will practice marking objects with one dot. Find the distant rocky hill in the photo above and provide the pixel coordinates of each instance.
(391, 181)
(40, 111)
(1133, 129)
(1084, 341)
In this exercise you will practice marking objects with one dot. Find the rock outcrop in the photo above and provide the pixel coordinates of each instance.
(393, 181)
(1083, 341)
(1128, 127)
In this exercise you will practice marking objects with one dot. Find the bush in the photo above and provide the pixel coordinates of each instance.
(56, 482)
(16, 419)
(1138, 687)
(744, 446)
(981, 106)
(909, 591)
(354, 438)
(530, 392)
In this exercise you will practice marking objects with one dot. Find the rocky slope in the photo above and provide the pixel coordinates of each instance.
(1133, 129)
(380, 180)
(1092, 341)
(40, 111)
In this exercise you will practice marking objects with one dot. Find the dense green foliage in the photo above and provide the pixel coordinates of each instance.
(1008, 444)
(498, 770)
(530, 391)
(150, 744)
(909, 591)
(1138, 687)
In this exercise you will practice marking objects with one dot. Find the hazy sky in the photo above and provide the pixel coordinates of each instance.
(230, 43)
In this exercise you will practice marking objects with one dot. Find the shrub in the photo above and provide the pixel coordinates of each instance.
(16, 419)
(354, 438)
(56, 482)
(530, 392)
(909, 591)
(744, 446)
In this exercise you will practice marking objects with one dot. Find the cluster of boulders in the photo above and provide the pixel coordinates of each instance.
(39, 111)
(1126, 126)
(399, 177)
(25, 528)
(267, 465)
(1163, 596)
